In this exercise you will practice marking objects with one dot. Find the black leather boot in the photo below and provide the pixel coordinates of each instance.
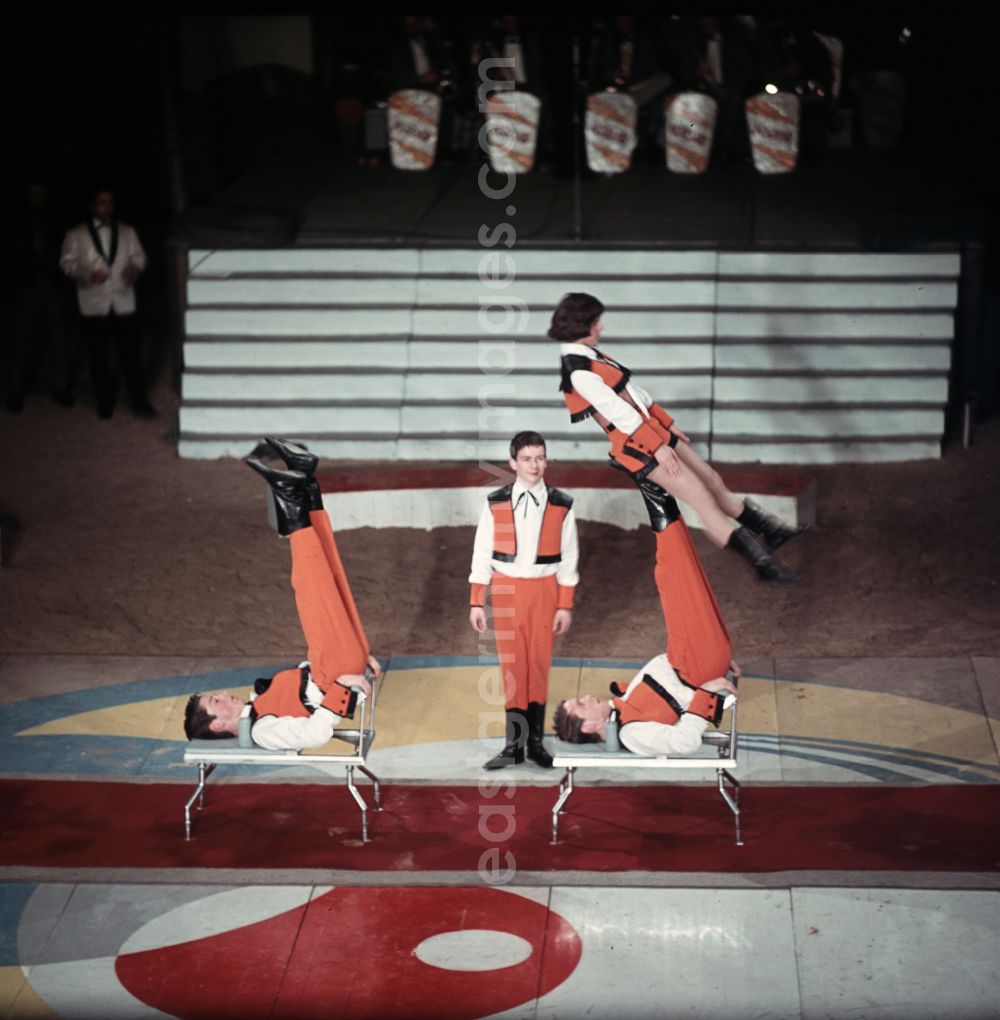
(660, 505)
(767, 567)
(298, 458)
(517, 737)
(536, 730)
(290, 490)
(295, 456)
(772, 529)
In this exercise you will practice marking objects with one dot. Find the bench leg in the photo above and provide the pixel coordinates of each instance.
(565, 789)
(733, 799)
(204, 771)
(360, 801)
(376, 787)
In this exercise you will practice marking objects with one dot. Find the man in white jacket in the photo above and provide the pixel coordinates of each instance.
(104, 257)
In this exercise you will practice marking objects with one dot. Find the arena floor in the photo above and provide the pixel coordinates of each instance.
(867, 885)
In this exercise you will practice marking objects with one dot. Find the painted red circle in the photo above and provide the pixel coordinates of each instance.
(351, 952)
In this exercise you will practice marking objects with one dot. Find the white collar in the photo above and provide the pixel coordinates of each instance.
(538, 490)
(584, 349)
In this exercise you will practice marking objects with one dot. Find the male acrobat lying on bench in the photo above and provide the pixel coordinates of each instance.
(668, 704)
(301, 707)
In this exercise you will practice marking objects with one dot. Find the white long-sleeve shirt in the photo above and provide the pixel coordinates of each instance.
(287, 732)
(680, 739)
(602, 397)
(529, 507)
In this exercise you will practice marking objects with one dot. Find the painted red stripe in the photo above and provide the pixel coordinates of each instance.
(391, 475)
(648, 828)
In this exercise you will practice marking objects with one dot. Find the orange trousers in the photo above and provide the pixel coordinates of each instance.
(334, 636)
(523, 612)
(698, 644)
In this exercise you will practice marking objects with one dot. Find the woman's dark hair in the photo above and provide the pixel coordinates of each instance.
(574, 317)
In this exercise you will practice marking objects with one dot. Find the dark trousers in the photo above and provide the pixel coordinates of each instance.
(105, 335)
(38, 336)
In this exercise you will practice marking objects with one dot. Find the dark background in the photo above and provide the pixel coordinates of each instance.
(115, 100)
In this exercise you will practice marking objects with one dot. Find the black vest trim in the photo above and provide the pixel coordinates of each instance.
(559, 498)
(263, 683)
(570, 363)
(648, 460)
(501, 495)
(663, 693)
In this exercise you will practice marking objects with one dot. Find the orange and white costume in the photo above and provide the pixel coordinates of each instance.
(301, 707)
(664, 710)
(526, 549)
(659, 714)
(596, 386)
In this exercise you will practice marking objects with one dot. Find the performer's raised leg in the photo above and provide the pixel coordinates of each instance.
(298, 458)
(689, 486)
(334, 648)
(698, 644)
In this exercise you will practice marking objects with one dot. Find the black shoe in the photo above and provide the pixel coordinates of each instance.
(290, 490)
(64, 398)
(767, 567)
(104, 411)
(535, 749)
(772, 529)
(295, 456)
(517, 737)
(15, 403)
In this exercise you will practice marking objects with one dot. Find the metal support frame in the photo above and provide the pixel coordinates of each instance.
(204, 771)
(572, 757)
(565, 789)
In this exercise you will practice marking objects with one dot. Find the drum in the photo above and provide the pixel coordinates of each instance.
(414, 115)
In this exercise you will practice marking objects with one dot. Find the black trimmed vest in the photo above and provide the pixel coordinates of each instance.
(611, 372)
(650, 701)
(549, 535)
(284, 694)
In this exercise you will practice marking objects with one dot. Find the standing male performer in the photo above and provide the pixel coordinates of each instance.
(104, 257)
(526, 545)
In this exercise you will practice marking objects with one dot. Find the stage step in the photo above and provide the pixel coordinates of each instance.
(440, 353)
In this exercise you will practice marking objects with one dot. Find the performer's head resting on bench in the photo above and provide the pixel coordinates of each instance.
(582, 720)
(212, 716)
(575, 317)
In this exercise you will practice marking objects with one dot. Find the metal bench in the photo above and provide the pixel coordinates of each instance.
(208, 754)
(718, 752)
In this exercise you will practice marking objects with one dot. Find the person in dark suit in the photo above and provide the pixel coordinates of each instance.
(104, 257)
(624, 56)
(718, 56)
(37, 330)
